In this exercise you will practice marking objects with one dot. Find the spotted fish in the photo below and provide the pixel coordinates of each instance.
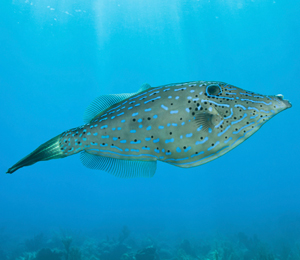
(185, 124)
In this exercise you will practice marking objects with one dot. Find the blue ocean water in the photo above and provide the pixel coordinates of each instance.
(57, 56)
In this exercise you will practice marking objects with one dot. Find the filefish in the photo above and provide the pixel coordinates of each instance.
(183, 124)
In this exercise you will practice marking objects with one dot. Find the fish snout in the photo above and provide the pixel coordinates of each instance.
(285, 103)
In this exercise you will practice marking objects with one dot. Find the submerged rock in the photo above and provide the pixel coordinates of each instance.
(112, 251)
(48, 254)
(148, 253)
(187, 248)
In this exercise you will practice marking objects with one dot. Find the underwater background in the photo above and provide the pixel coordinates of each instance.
(57, 56)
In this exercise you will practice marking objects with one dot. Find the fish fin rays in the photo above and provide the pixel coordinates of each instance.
(102, 103)
(118, 167)
(205, 120)
(144, 87)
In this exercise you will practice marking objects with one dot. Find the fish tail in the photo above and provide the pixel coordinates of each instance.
(47, 151)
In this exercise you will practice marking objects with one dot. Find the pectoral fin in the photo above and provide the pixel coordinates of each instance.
(207, 120)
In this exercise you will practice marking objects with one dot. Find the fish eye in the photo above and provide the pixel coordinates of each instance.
(213, 90)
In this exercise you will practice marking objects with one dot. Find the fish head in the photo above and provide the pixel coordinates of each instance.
(228, 115)
(241, 101)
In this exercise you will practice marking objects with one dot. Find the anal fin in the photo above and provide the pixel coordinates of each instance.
(118, 167)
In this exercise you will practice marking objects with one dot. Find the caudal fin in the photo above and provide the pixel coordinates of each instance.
(47, 151)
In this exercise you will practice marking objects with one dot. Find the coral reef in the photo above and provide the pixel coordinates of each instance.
(148, 253)
(48, 254)
(35, 243)
(128, 246)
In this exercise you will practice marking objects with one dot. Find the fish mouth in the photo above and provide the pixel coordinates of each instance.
(286, 102)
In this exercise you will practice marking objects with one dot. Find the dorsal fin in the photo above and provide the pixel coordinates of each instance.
(105, 101)
(118, 167)
(144, 87)
(102, 103)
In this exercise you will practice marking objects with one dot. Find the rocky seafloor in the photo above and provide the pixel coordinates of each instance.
(65, 245)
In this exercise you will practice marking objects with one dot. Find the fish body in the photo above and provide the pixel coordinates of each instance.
(183, 124)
